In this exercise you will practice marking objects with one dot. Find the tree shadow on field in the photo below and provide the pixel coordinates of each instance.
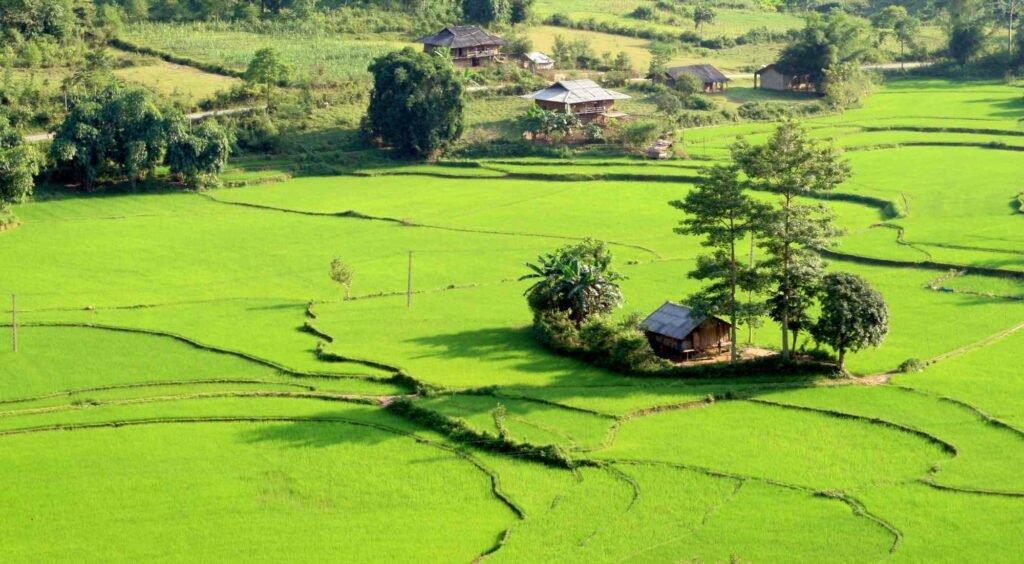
(502, 344)
(328, 429)
(574, 380)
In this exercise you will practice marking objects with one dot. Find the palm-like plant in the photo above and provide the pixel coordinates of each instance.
(577, 279)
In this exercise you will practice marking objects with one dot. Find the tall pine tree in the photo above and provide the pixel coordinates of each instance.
(722, 214)
(793, 166)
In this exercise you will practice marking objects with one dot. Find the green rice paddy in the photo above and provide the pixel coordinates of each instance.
(191, 385)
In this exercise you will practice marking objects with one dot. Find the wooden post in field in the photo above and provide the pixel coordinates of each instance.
(408, 294)
(14, 320)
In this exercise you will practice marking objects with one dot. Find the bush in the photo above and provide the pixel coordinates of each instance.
(643, 13)
(912, 365)
(687, 84)
(256, 132)
(615, 79)
(765, 111)
(622, 347)
(697, 102)
(556, 331)
(617, 345)
(639, 134)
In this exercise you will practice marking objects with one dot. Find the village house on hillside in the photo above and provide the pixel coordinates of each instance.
(712, 78)
(769, 77)
(676, 333)
(470, 46)
(585, 98)
(538, 61)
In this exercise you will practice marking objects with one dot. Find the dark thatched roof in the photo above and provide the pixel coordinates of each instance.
(456, 37)
(673, 320)
(706, 73)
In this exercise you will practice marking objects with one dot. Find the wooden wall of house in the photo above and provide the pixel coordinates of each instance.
(711, 334)
(772, 79)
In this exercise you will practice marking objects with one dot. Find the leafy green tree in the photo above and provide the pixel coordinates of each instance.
(266, 70)
(687, 84)
(117, 131)
(417, 102)
(576, 279)
(906, 31)
(519, 11)
(488, 12)
(823, 42)
(19, 163)
(343, 274)
(792, 165)
(720, 212)
(703, 14)
(884, 21)
(197, 154)
(1011, 10)
(966, 41)
(38, 18)
(622, 62)
(93, 75)
(845, 85)
(853, 315)
(661, 54)
(539, 121)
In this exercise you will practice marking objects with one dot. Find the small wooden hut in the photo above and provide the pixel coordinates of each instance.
(470, 46)
(770, 77)
(676, 333)
(712, 78)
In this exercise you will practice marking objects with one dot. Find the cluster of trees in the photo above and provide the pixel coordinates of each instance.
(494, 12)
(574, 291)
(579, 53)
(792, 275)
(829, 51)
(417, 105)
(972, 21)
(700, 14)
(120, 133)
(19, 163)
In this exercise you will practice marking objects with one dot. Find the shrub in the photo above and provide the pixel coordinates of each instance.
(639, 134)
(687, 84)
(765, 111)
(556, 331)
(256, 132)
(912, 365)
(697, 102)
(643, 13)
(615, 79)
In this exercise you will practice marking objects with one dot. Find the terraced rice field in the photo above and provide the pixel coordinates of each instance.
(190, 384)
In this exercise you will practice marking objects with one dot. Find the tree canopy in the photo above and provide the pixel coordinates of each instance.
(823, 42)
(417, 102)
(19, 162)
(853, 315)
(791, 165)
(722, 214)
(197, 154)
(267, 70)
(117, 131)
(576, 279)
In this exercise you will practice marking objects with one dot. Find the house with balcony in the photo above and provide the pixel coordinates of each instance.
(470, 46)
(585, 98)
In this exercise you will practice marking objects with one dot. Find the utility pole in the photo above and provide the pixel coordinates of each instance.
(14, 320)
(408, 294)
